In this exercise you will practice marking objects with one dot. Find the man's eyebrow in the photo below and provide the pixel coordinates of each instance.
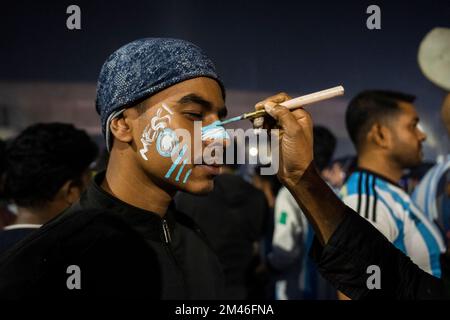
(194, 98)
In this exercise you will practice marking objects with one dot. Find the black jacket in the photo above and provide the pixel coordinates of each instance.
(356, 245)
(232, 217)
(121, 251)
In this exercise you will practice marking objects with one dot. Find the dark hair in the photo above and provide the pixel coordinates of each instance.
(42, 158)
(324, 146)
(369, 107)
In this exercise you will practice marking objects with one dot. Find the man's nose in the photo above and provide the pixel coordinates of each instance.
(422, 136)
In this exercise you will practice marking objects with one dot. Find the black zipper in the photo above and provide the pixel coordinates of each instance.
(166, 231)
(168, 248)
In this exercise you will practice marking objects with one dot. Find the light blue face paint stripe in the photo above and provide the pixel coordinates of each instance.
(188, 173)
(181, 170)
(214, 131)
(177, 161)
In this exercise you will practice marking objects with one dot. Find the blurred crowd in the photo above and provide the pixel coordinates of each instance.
(253, 224)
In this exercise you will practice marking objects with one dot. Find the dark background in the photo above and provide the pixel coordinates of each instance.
(264, 46)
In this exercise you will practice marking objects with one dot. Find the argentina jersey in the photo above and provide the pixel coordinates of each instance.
(431, 197)
(392, 212)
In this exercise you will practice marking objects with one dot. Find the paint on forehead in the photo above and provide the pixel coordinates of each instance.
(214, 131)
(167, 142)
(176, 162)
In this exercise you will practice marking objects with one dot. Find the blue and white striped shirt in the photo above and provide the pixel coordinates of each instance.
(430, 194)
(391, 210)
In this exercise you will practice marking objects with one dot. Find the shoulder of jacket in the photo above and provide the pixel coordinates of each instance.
(70, 227)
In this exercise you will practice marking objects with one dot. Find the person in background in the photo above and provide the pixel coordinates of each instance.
(414, 175)
(432, 195)
(383, 127)
(338, 171)
(270, 185)
(46, 170)
(298, 278)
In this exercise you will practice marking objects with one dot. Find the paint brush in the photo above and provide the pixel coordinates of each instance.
(292, 104)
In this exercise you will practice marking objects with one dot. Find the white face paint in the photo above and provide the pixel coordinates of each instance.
(166, 142)
(151, 132)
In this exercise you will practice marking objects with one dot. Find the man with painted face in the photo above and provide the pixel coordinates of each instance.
(125, 237)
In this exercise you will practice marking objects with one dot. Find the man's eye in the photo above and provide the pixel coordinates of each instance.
(194, 115)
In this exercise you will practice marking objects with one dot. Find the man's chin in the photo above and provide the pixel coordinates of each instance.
(413, 164)
(200, 187)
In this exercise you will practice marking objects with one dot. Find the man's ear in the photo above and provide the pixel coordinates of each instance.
(71, 191)
(121, 128)
(380, 135)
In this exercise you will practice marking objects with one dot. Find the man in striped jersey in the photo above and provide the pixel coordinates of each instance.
(432, 194)
(383, 128)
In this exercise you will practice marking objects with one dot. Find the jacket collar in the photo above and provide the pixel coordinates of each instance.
(148, 223)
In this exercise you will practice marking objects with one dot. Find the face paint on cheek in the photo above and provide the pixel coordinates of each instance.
(166, 107)
(151, 132)
(214, 131)
(177, 178)
(167, 142)
(176, 162)
(188, 173)
(180, 170)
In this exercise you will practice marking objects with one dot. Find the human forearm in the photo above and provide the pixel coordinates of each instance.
(322, 207)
